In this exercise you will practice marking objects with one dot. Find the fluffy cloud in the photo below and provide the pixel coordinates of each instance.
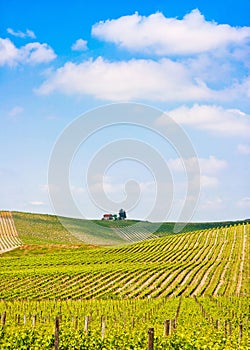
(27, 34)
(160, 35)
(8, 52)
(37, 53)
(208, 75)
(244, 202)
(225, 122)
(15, 111)
(212, 204)
(243, 149)
(210, 165)
(80, 45)
(37, 203)
(32, 53)
(209, 181)
(164, 80)
(209, 169)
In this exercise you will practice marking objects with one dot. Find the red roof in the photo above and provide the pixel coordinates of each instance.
(107, 215)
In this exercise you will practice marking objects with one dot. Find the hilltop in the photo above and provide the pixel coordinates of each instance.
(47, 229)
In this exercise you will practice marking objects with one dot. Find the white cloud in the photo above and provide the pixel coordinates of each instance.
(105, 183)
(208, 75)
(208, 181)
(243, 149)
(161, 35)
(164, 80)
(37, 203)
(37, 53)
(27, 34)
(15, 111)
(212, 204)
(209, 169)
(44, 188)
(224, 122)
(8, 52)
(112, 186)
(148, 187)
(244, 202)
(78, 190)
(80, 45)
(210, 165)
(32, 53)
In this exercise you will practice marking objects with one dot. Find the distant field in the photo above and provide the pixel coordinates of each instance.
(47, 229)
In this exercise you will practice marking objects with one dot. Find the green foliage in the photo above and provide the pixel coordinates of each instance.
(126, 324)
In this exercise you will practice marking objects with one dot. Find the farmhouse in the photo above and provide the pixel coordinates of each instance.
(107, 217)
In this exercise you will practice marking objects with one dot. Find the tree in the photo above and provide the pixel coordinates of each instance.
(122, 214)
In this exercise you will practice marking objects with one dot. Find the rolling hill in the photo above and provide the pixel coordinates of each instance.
(107, 292)
(54, 264)
(48, 229)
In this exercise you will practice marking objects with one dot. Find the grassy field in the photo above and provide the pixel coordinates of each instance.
(48, 229)
(201, 276)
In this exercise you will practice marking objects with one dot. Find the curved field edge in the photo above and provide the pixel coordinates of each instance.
(210, 262)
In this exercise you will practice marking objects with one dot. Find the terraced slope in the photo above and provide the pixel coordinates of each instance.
(211, 262)
(9, 238)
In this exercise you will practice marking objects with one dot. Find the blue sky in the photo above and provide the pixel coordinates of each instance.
(59, 60)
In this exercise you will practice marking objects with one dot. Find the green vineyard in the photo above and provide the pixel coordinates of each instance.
(213, 262)
(178, 323)
(192, 288)
(8, 234)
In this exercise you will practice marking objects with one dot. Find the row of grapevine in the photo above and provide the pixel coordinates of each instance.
(195, 323)
(213, 262)
(134, 233)
(8, 234)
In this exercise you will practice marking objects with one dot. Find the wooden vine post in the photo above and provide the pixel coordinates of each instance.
(34, 321)
(86, 324)
(3, 320)
(151, 339)
(103, 323)
(166, 328)
(240, 332)
(56, 333)
(76, 323)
